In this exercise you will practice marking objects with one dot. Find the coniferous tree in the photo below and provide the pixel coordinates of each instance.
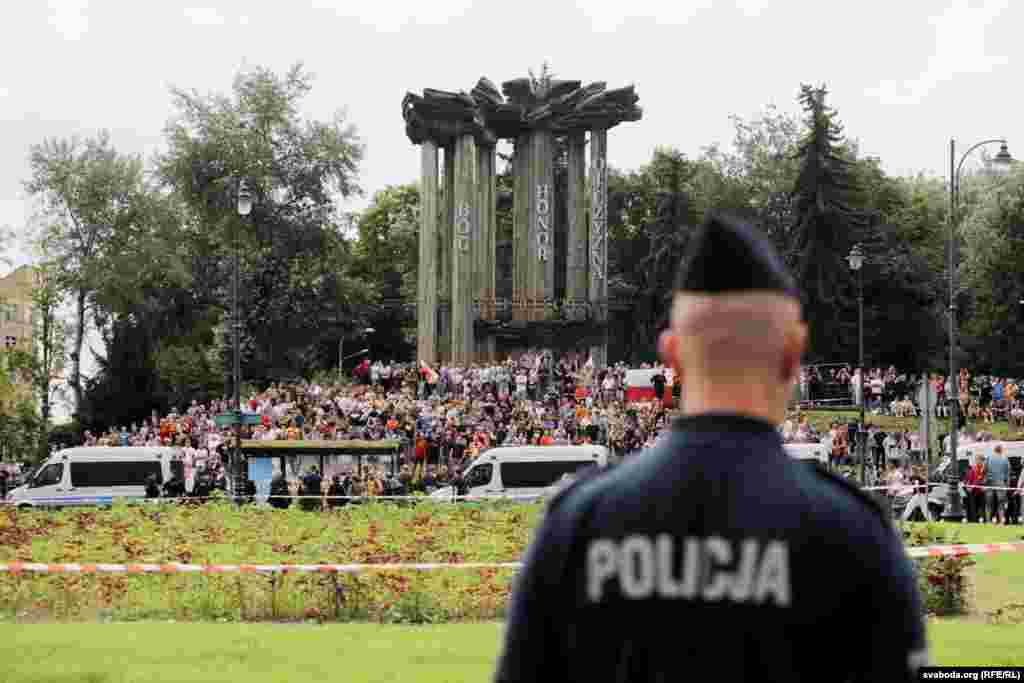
(825, 225)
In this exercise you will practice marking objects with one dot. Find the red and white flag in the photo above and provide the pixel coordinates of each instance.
(640, 387)
(428, 372)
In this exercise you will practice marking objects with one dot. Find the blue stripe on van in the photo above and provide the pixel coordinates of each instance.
(79, 500)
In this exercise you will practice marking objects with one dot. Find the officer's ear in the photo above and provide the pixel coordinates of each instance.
(668, 350)
(796, 341)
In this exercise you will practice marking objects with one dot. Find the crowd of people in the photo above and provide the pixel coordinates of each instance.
(444, 417)
(534, 399)
(380, 405)
(888, 391)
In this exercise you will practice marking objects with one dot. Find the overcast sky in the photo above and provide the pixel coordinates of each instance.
(905, 76)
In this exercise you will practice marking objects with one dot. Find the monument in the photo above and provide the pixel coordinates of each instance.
(460, 318)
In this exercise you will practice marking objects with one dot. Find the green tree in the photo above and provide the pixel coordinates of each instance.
(761, 168)
(387, 245)
(88, 193)
(651, 214)
(297, 286)
(825, 224)
(186, 373)
(992, 274)
(45, 363)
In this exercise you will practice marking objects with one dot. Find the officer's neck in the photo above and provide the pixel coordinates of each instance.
(749, 400)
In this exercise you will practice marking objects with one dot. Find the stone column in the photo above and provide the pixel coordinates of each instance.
(466, 231)
(542, 225)
(486, 246)
(576, 285)
(599, 240)
(444, 258)
(426, 304)
(520, 228)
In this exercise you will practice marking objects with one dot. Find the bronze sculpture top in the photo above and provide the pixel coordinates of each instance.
(522, 105)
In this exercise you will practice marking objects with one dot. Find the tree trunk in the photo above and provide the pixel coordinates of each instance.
(76, 352)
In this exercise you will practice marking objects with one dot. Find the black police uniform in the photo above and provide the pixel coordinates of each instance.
(714, 555)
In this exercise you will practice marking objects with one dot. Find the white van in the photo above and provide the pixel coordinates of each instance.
(965, 453)
(95, 476)
(508, 471)
(810, 453)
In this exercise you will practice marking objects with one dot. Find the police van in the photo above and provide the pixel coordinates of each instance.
(95, 476)
(523, 471)
(810, 453)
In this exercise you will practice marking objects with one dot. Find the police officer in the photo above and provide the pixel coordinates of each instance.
(203, 486)
(152, 486)
(280, 496)
(715, 552)
(311, 490)
(174, 487)
(336, 493)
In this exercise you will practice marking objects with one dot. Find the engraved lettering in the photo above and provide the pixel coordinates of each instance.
(463, 227)
(543, 233)
(598, 209)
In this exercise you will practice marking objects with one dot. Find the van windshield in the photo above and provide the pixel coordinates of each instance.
(49, 475)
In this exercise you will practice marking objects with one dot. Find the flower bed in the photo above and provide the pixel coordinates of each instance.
(219, 533)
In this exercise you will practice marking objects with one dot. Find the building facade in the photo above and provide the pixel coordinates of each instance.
(16, 307)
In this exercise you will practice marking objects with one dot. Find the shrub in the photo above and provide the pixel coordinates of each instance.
(941, 580)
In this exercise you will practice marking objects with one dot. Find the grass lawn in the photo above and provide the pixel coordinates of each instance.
(822, 420)
(182, 653)
(157, 652)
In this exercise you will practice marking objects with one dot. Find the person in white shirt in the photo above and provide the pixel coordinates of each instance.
(889, 444)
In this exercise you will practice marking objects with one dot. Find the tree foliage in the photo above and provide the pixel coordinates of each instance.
(297, 285)
(89, 197)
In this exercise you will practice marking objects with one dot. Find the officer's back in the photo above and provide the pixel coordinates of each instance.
(714, 552)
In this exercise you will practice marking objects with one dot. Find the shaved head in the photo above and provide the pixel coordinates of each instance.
(735, 332)
(736, 343)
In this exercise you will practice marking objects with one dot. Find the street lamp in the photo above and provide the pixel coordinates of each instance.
(1000, 165)
(341, 348)
(856, 259)
(245, 202)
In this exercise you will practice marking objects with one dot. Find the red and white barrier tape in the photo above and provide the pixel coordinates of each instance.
(177, 567)
(969, 549)
(180, 568)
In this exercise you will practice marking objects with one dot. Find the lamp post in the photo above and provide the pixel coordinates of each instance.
(1000, 164)
(856, 259)
(341, 349)
(244, 209)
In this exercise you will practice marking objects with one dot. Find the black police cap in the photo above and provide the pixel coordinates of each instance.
(729, 255)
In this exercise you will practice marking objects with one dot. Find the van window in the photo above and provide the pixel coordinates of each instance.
(50, 475)
(480, 475)
(538, 474)
(125, 473)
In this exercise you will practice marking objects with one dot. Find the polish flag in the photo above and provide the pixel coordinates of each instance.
(428, 372)
(639, 386)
